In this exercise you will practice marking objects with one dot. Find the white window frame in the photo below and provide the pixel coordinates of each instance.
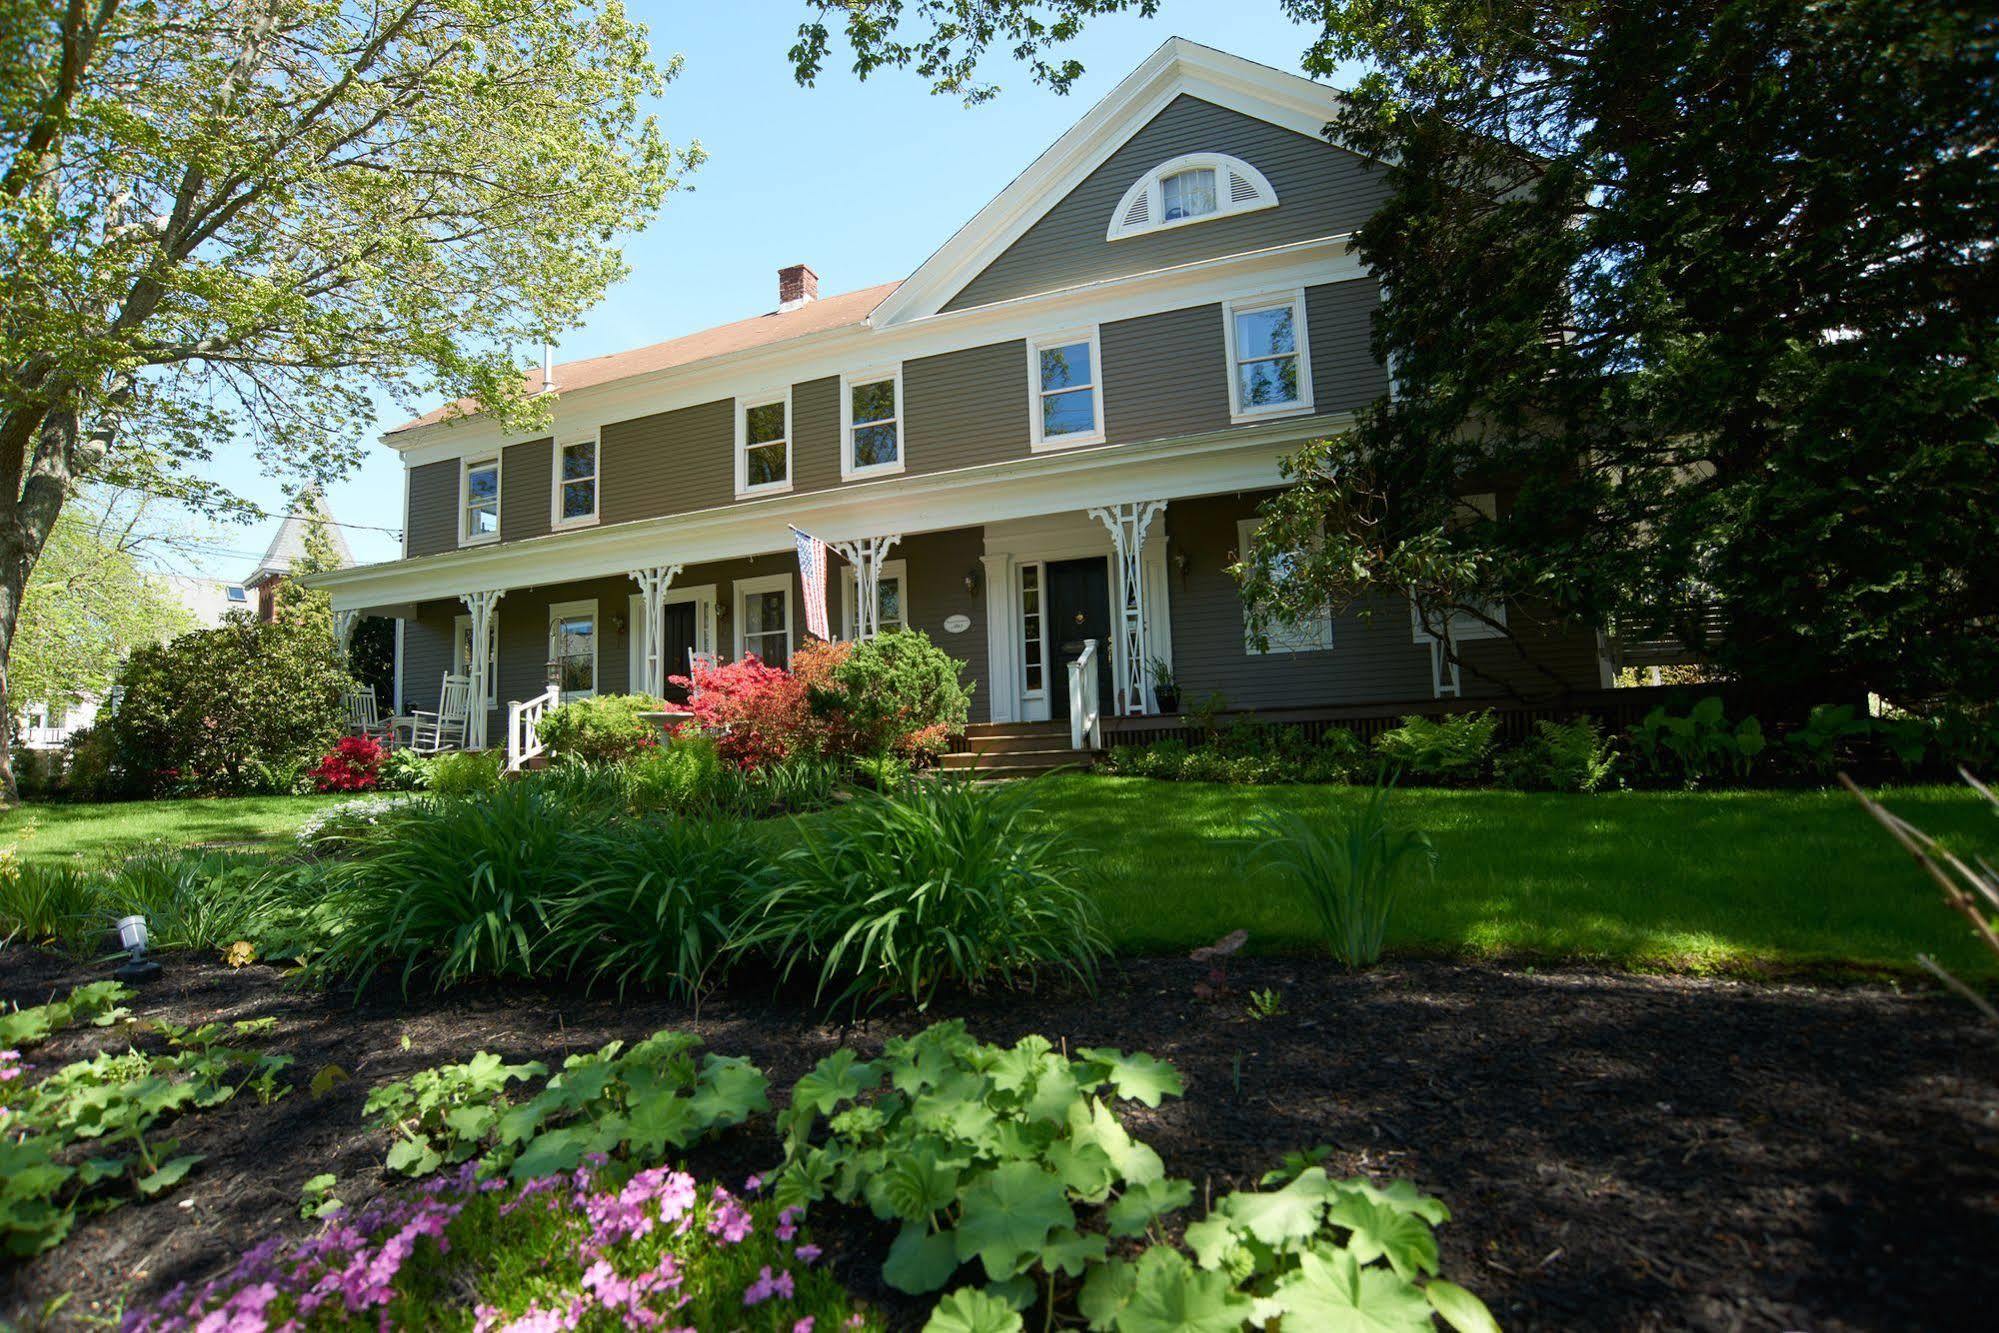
(1040, 567)
(1151, 187)
(1301, 638)
(1247, 305)
(556, 522)
(854, 380)
(1038, 441)
(850, 597)
(747, 588)
(466, 467)
(744, 490)
(585, 606)
(701, 596)
(461, 636)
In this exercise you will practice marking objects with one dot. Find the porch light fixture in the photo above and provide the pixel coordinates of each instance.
(132, 937)
(1181, 563)
(972, 581)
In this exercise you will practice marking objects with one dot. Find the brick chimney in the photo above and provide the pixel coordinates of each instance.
(796, 284)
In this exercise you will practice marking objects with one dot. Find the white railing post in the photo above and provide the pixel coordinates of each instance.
(1086, 725)
(524, 726)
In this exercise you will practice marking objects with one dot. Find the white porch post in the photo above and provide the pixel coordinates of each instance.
(653, 582)
(481, 605)
(866, 554)
(343, 632)
(1128, 525)
(1003, 647)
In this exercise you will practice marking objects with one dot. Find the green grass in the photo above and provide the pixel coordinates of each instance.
(97, 834)
(1711, 881)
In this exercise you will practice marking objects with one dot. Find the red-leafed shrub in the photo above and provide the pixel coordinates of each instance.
(757, 713)
(354, 765)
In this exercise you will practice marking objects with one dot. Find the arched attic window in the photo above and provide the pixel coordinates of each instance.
(1194, 187)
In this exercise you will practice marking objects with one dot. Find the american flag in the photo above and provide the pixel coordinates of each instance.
(812, 573)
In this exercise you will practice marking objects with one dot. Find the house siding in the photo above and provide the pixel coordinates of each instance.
(433, 508)
(937, 563)
(1164, 375)
(1339, 324)
(965, 408)
(1321, 191)
(815, 434)
(668, 463)
(526, 472)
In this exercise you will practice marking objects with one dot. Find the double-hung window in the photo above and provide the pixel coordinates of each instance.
(479, 500)
(763, 445)
(1312, 633)
(891, 603)
(1065, 372)
(871, 424)
(572, 647)
(575, 496)
(763, 619)
(461, 653)
(1270, 359)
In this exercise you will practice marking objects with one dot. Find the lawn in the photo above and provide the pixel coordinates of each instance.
(100, 833)
(1701, 880)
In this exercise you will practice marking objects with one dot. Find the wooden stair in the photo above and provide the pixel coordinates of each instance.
(1015, 750)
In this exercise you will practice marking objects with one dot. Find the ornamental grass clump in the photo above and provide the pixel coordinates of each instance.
(950, 884)
(1349, 870)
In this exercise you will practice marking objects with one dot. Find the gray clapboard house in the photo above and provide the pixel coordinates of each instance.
(1053, 434)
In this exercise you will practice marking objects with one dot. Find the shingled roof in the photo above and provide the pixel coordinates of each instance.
(287, 548)
(820, 316)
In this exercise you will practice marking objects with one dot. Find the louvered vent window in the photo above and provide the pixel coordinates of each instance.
(1193, 188)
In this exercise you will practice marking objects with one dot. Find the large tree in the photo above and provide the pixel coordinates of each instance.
(225, 224)
(1706, 291)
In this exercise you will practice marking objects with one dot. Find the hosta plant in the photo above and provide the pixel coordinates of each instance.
(636, 1103)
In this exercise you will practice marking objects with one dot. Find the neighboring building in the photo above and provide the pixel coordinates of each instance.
(208, 600)
(287, 548)
(1056, 430)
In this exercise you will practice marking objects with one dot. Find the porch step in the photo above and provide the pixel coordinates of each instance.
(990, 730)
(1015, 763)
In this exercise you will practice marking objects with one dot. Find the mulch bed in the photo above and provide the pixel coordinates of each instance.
(1620, 1151)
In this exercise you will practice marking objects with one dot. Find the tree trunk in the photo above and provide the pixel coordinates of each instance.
(28, 512)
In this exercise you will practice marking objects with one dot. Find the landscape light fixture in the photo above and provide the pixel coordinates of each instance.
(132, 937)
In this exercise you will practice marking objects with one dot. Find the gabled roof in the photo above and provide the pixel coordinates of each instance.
(820, 316)
(1177, 67)
(287, 548)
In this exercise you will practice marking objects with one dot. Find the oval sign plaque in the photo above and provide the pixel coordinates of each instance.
(957, 624)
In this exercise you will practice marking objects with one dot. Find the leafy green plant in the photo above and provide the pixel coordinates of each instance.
(405, 770)
(51, 904)
(316, 1200)
(466, 773)
(1826, 738)
(1560, 756)
(684, 776)
(1349, 872)
(637, 1103)
(896, 693)
(1699, 747)
(1451, 749)
(195, 899)
(886, 774)
(950, 883)
(602, 729)
(1265, 1004)
(100, 1002)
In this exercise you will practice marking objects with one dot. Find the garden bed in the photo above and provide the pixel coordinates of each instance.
(1619, 1151)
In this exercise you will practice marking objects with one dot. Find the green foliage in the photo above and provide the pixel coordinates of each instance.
(1560, 756)
(641, 1104)
(1449, 750)
(950, 883)
(886, 773)
(83, 1137)
(1699, 747)
(243, 708)
(684, 775)
(466, 773)
(897, 693)
(99, 1002)
(602, 729)
(1247, 753)
(1348, 871)
(1826, 739)
(194, 899)
(403, 769)
(51, 904)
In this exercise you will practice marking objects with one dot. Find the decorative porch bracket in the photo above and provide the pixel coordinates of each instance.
(866, 554)
(481, 605)
(653, 582)
(344, 623)
(1128, 524)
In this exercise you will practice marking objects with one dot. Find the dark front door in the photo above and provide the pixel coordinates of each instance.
(676, 640)
(1079, 609)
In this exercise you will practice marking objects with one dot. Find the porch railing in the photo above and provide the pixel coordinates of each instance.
(524, 726)
(1086, 710)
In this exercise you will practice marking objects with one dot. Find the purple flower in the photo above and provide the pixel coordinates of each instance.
(803, 1326)
(808, 1254)
(750, 1186)
(787, 1223)
(730, 1220)
(767, 1286)
(11, 1068)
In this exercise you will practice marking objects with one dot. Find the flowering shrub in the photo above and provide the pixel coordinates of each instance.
(355, 764)
(897, 693)
(594, 1248)
(757, 713)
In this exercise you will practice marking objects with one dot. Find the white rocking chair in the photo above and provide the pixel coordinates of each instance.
(364, 718)
(445, 729)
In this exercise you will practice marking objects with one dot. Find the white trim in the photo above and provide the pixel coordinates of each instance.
(762, 584)
(744, 490)
(1312, 262)
(849, 471)
(466, 467)
(1271, 300)
(1038, 442)
(1017, 638)
(1294, 638)
(556, 483)
(396, 705)
(584, 606)
(1151, 187)
(890, 569)
(461, 630)
(702, 595)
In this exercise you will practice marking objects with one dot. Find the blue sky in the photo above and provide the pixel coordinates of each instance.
(794, 175)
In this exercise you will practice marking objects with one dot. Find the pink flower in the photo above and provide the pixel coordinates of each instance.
(808, 1253)
(731, 1221)
(11, 1067)
(787, 1223)
(767, 1286)
(750, 1186)
(803, 1326)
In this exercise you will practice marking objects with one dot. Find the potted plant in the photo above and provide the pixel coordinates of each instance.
(1164, 688)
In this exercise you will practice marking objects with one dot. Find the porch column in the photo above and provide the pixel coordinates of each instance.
(866, 554)
(1003, 646)
(481, 605)
(343, 632)
(653, 582)
(1128, 525)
